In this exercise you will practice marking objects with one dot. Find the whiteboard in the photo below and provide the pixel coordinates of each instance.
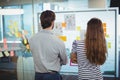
(72, 25)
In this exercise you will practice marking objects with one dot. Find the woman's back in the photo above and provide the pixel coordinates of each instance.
(87, 71)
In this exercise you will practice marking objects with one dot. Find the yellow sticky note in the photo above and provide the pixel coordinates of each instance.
(109, 44)
(107, 35)
(16, 34)
(78, 38)
(6, 53)
(10, 26)
(64, 38)
(25, 41)
(1, 55)
(78, 28)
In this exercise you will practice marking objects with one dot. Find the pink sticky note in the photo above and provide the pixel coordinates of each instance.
(5, 43)
(12, 53)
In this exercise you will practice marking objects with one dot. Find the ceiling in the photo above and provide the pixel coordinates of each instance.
(19, 2)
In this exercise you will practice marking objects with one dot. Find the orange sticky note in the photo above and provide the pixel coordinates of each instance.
(19, 34)
(64, 24)
(104, 25)
(11, 53)
(104, 29)
(63, 38)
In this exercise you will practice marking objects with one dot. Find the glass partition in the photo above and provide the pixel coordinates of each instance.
(16, 63)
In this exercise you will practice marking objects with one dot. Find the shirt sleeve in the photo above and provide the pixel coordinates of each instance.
(74, 46)
(63, 55)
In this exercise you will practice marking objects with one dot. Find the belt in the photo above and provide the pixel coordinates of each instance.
(51, 72)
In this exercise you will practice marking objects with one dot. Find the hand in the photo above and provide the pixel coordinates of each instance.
(73, 57)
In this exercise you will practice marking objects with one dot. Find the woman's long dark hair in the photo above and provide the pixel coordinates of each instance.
(95, 42)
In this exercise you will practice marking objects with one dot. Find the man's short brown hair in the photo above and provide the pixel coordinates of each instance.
(46, 18)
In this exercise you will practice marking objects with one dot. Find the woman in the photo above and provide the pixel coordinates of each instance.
(91, 52)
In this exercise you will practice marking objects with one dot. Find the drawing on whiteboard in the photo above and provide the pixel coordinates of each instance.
(70, 21)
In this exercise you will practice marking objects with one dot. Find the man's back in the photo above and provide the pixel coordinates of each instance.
(48, 52)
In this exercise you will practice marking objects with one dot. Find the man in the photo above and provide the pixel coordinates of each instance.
(48, 51)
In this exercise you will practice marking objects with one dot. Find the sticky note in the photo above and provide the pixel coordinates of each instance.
(1, 55)
(104, 29)
(19, 34)
(104, 24)
(25, 41)
(12, 53)
(107, 36)
(78, 28)
(78, 38)
(109, 44)
(6, 53)
(16, 34)
(63, 24)
(63, 38)
(5, 43)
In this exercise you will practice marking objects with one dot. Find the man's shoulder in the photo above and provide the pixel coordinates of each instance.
(33, 37)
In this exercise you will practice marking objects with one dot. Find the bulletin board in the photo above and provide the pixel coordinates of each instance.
(71, 25)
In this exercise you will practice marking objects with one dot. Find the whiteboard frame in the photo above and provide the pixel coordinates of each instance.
(116, 31)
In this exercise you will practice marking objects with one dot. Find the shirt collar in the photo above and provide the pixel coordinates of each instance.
(47, 31)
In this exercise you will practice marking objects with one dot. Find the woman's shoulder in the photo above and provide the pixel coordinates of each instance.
(79, 41)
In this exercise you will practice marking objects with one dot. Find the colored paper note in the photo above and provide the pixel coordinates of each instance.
(63, 38)
(78, 28)
(25, 41)
(19, 34)
(1, 55)
(5, 43)
(6, 53)
(12, 53)
(109, 44)
(104, 24)
(78, 38)
(107, 36)
(16, 34)
(64, 24)
(104, 29)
